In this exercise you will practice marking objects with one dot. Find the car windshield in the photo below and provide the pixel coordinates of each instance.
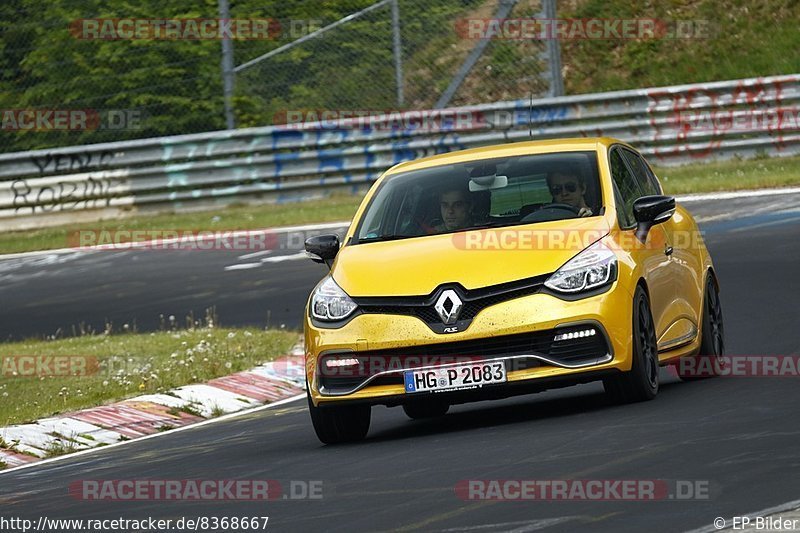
(483, 193)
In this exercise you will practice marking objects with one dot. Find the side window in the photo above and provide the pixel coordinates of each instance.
(624, 221)
(626, 185)
(652, 176)
(642, 172)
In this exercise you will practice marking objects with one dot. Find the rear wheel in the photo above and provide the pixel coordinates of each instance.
(640, 383)
(710, 361)
(336, 424)
(431, 409)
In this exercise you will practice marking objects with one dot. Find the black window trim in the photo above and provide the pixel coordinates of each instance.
(614, 183)
(652, 174)
(649, 175)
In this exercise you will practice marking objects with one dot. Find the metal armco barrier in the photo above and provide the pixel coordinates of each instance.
(671, 125)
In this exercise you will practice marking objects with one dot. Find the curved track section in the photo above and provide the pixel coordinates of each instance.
(739, 436)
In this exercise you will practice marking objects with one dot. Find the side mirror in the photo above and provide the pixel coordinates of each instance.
(322, 248)
(651, 210)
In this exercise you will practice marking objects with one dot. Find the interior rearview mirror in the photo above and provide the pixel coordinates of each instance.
(486, 183)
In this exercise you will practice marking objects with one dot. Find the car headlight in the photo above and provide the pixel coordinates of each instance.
(590, 269)
(329, 302)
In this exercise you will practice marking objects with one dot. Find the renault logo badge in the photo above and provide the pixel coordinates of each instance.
(448, 306)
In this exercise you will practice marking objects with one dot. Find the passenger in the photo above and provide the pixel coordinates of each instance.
(569, 188)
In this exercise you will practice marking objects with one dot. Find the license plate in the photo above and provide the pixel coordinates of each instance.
(455, 377)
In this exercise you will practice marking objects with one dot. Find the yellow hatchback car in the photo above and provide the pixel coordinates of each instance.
(505, 270)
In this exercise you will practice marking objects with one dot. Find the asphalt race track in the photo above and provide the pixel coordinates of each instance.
(738, 435)
(58, 294)
(54, 294)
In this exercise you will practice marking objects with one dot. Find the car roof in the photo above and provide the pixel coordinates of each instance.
(506, 150)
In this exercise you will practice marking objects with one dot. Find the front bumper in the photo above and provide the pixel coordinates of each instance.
(518, 331)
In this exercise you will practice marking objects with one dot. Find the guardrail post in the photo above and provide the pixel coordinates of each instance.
(553, 52)
(398, 52)
(227, 68)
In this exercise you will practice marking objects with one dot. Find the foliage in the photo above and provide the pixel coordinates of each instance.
(176, 85)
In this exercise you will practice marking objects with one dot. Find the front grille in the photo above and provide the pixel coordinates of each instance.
(576, 351)
(567, 352)
(474, 301)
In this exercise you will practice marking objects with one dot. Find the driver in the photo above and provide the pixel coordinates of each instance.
(567, 187)
(456, 207)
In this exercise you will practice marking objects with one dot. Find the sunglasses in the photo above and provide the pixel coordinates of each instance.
(569, 187)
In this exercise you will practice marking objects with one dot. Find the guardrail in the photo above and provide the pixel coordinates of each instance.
(671, 125)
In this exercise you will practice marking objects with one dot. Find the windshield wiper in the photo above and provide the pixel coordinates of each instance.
(384, 237)
(496, 224)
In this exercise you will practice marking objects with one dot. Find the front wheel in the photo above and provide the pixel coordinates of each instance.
(640, 383)
(337, 424)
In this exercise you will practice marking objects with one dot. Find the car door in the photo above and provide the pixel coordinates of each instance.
(654, 262)
(679, 318)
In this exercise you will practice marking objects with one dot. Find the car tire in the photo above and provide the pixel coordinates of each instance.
(338, 424)
(640, 383)
(712, 340)
(421, 410)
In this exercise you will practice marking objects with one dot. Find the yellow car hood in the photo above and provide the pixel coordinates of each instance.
(477, 258)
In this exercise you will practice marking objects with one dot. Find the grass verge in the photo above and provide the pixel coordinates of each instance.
(721, 176)
(235, 217)
(732, 175)
(106, 368)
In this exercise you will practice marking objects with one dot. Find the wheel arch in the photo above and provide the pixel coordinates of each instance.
(643, 284)
(710, 272)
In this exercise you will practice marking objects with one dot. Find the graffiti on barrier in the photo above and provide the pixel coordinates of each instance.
(91, 192)
(79, 162)
(699, 119)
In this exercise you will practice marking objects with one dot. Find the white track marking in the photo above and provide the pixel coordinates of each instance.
(254, 255)
(161, 242)
(736, 194)
(765, 224)
(282, 258)
(243, 266)
(343, 224)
